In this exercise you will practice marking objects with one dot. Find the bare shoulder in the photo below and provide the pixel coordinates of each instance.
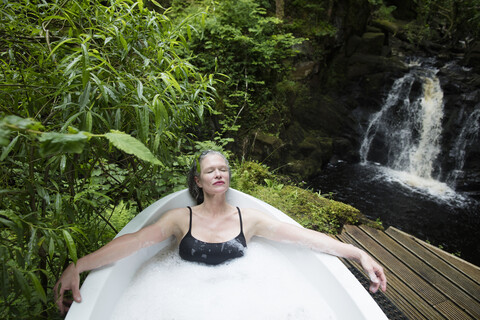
(254, 214)
(175, 215)
(255, 222)
(175, 220)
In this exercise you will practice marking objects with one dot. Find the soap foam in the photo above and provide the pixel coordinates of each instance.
(262, 285)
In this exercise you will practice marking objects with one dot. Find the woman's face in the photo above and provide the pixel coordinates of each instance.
(214, 175)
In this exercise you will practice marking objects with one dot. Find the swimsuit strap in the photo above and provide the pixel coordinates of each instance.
(190, 227)
(241, 223)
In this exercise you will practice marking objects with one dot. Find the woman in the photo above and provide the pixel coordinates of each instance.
(212, 232)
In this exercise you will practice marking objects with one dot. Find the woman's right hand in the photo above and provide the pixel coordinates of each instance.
(70, 280)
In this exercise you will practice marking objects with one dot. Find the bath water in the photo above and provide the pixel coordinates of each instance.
(262, 285)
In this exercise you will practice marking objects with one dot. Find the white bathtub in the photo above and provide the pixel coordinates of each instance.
(103, 287)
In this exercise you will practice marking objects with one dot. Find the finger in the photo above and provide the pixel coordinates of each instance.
(58, 294)
(381, 278)
(59, 301)
(383, 282)
(76, 294)
(374, 287)
(55, 292)
(374, 282)
(61, 306)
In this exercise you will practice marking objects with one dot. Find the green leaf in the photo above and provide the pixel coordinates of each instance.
(51, 248)
(123, 42)
(38, 287)
(54, 142)
(130, 145)
(43, 193)
(85, 96)
(72, 249)
(58, 203)
(8, 148)
(140, 90)
(88, 121)
(8, 223)
(31, 245)
(86, 66)
(22, 283)
(60, 44)
(19, 123)
(4, 136)
(118, 119)
(63, 163)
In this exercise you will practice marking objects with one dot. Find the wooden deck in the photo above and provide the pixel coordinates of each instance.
(424, 282)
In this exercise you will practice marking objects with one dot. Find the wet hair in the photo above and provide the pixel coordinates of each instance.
(195, 191)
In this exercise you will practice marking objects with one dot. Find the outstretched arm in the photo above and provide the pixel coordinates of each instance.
(115, 250)
(272, 229)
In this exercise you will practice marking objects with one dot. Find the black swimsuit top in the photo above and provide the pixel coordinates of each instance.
(195, 250)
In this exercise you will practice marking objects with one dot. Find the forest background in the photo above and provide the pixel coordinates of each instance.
(104, 105)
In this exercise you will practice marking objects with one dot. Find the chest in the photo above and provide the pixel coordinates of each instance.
(216, 229)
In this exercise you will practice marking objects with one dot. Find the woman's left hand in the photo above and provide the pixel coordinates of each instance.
(374, 272)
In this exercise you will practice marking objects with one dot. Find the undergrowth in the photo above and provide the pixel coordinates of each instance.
(310, 209)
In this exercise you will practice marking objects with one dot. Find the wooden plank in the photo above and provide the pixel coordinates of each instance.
(456, 276)
(447, 308)
(397, 266)
(453, 292)
(470, 270)
(396, 297)
(407, 300)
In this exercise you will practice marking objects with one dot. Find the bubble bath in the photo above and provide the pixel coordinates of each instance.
(262, 285)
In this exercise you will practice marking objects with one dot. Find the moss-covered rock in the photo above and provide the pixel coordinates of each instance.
(248, 175)
(310, 209)
(388, 25)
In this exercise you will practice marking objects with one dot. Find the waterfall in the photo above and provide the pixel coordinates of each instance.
(409, 125)
(407, 130)
(424, 154)
(379, 121)
(468, 135)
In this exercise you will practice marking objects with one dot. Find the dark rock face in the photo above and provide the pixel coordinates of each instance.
(461, 128)
(331, 102)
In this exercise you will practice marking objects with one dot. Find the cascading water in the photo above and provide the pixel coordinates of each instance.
(467, 137)
(414, 152)
(409, 128)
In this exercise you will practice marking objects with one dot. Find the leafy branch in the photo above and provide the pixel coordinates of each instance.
(73, 142)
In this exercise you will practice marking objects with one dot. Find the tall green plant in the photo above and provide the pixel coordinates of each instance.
(95, 97)
(237, 38)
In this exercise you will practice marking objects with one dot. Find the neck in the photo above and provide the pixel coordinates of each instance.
(215, 204)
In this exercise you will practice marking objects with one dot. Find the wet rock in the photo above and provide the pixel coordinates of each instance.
(304, 69)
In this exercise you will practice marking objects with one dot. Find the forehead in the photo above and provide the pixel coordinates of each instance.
(213, 159)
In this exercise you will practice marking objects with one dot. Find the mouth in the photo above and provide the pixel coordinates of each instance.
(219, 183)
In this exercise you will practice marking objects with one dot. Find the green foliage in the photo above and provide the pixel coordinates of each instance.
(381, 11)
(454, 20)
(51, 143)
(96, 95)
(250, 174)
(308, 208)
(445, 21)
(238, 39)
(310, 19)
(131, 145)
